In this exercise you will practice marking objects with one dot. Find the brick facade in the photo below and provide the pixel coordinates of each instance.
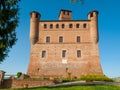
(46, 57)
(9, 83)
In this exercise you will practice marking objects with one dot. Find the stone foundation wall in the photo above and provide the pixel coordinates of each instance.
(8, 83)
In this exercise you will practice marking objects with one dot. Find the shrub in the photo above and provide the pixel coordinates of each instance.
(19, 74)
(56, 79)
(46, 78)
(66, 79)
(95, 78)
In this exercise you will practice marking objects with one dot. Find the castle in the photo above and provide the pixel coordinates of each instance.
(64, 46)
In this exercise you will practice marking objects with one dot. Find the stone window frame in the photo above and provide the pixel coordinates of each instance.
(70, 25)
(43, 54)
(64, 53)
(78, 39)
(77, 25)
(45, 26)
(60, 39)
(57, 25)
(51, 26)
(84, 25)
(47, 39)
(78, 53)
(63, 26)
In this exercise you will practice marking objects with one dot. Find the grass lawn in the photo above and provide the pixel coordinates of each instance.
(75, 87)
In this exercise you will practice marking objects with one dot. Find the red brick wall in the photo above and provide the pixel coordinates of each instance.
(25, 83)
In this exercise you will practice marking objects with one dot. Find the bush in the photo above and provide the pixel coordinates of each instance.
(19, 74)
(66, 79)
(95, 78)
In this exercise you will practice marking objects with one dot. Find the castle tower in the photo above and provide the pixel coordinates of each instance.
(65, 15)
(93, 16)
(34, 25)
(64, 46)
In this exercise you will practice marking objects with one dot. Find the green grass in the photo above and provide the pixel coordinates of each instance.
(75, 87)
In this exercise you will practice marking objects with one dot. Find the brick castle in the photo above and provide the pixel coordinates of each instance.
(63, 46)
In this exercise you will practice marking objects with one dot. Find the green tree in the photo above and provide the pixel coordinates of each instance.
(19, 74)
(8, 23)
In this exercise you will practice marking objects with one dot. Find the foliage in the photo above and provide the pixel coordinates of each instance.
(19, 74)
(70, 79)
(95, 78)
(66, 79)
(46, 78)
(8, 23)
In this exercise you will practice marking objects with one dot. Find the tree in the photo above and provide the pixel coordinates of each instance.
(8, 23)
(19, 74)
(76, 1)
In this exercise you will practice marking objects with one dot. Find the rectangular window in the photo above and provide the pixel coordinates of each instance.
(57, 25)
(45, 26)
(78, 38)
(63, 25)
(84, 25)
(48, 39)
(43, 54)
(78, 53)
(77, 25)
(63, 53)
(51, 25)
(91, 15)
(60, 39)
(70, 25)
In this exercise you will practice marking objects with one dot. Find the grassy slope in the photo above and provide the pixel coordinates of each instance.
(88, 87)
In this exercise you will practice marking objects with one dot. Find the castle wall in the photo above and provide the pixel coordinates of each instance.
(8, 83)
(52, 63)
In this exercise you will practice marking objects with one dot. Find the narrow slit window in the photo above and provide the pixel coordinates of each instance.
(91, 15)
(84, 25)
(57, 25)
(63, 26)
(78, 39)
(48, 39)
(70, 25)
(63, 53)
(45, 26)
(51, 26)
(43, 54)
(78, 53)
(77, 25)
(60, 39)
(36, 16)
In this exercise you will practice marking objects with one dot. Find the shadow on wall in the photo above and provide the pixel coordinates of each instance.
(7, 83)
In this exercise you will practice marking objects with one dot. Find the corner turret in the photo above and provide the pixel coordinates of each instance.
(34, 26)
(93, 16)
